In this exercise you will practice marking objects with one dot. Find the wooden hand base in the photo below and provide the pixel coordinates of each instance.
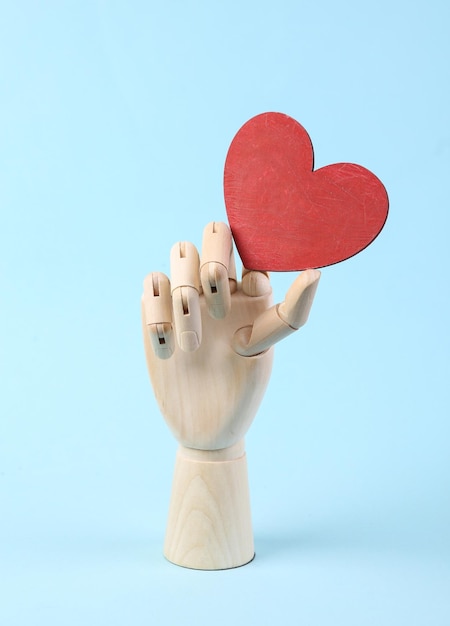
(209, 525)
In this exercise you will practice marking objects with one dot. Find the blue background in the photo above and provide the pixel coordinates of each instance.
(115, 119)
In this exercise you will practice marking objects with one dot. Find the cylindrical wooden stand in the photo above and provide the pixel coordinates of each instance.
(209, 525)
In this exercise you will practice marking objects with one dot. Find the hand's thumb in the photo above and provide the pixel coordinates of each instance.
(299, 298)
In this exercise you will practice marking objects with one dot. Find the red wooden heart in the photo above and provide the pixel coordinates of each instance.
(283, 215)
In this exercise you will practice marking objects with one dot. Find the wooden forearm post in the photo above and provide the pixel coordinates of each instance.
(209, 525)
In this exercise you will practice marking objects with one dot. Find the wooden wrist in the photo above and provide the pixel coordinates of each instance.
(209, 525)
(224, 454)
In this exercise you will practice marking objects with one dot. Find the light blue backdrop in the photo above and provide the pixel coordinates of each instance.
(115, 119)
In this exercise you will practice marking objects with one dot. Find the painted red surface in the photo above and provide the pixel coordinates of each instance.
(283, 215)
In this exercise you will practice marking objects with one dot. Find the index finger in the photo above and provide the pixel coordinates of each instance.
(217, 269)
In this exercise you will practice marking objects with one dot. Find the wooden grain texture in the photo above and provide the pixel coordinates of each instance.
(209, 525)
(285, 216)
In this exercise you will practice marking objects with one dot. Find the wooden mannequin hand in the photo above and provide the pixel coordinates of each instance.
(208, 339)
(208, 342)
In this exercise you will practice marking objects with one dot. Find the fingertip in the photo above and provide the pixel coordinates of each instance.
(217, 269)
(157, 299)
(299, 298)
(161, 339)
(184, 265)
(189, 341)
(256, 283)
(311, 276)
(217, 245)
